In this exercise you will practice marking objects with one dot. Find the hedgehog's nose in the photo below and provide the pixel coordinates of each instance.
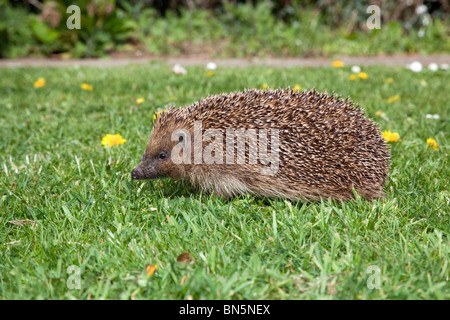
(136, 174)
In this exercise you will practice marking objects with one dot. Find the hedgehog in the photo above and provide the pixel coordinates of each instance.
(270, 143)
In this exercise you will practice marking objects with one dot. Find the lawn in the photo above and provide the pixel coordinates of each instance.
(86, 216)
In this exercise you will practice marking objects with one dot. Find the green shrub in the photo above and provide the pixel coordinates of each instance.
(103, 27)
(221, 28)
(16, 37)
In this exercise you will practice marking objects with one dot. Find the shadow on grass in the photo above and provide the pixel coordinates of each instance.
(179, 189)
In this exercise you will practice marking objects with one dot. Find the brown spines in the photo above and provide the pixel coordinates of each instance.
(327, 145)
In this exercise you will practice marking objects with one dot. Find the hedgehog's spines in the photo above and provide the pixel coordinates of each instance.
(327, 146)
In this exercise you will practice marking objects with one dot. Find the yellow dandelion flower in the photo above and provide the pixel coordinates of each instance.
(379, 113)
(39, 83)
(337, 64)
(210, 73)
(150, 269)
(264, 86)
(433, 143)
(297, 87)
(393, 98)
(140, 100)
(111, 140)
(86, 86)
(353, 77)
(389, 80)
(391, 136)
(363, 75)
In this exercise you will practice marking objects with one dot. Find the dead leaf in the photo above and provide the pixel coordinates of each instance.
(183, 280)
(330, 287)
(185, 257)
(289, 264)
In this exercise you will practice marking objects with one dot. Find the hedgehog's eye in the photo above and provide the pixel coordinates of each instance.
(162, 155)
(180, 139)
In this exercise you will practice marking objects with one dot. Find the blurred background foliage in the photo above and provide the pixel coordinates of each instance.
(222, 28)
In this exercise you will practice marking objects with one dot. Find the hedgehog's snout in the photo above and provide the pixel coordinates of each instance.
(136, 173)
(145, 170)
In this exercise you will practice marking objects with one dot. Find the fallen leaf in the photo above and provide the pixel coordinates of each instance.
(331, 287)
(185, 257)
(183, 280)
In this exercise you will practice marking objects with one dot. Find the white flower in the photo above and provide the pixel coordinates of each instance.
(426, 20)
(421, 9)
(421, 33)
(179, 69)
(356, 69)
(444, 66)
(416, 66)
(433, 67)
(211, 66)
(432, 116)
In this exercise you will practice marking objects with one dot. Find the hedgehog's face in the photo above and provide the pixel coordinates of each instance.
(157, 160)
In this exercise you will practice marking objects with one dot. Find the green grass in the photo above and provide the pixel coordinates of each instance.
(89, 213)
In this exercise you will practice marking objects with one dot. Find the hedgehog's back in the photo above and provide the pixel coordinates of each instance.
(327, 145)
